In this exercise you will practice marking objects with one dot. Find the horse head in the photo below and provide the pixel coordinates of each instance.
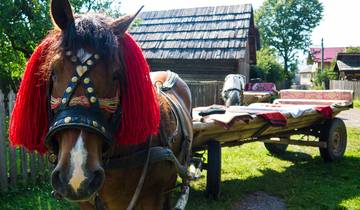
(86, 73)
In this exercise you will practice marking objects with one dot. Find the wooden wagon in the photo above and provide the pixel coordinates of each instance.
(277, 125)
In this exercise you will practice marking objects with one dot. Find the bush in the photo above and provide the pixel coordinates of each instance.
(267, 68)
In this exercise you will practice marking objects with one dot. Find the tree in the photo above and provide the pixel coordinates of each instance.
(352, 50)
(286, 26)
(23, 23)
(267, 68)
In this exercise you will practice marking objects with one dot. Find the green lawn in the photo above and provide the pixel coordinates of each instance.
(301, 178)
(356, 103)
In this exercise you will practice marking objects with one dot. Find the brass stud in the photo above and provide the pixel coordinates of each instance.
(90, 89)
(73, 59)
(86, 80)
(80, 70)
(67, 119)
(85, 68)
(102, 129)
(63, 100)
(74, 79)
(95, 124)
(68, 90)
(52, 158)
(92, 99)
(97, 56)
(89, 62)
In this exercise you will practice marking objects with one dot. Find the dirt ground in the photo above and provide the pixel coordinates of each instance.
(351, 117)
(260, 201)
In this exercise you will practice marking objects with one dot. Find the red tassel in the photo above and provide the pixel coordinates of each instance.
(140, 107)
(29, 119)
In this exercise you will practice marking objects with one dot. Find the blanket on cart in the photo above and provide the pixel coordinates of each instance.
(275, 114)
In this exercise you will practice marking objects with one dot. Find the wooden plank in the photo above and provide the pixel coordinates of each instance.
(42, 171)
(24, 165)
(3, 170)
(13, 156)
(33, 172)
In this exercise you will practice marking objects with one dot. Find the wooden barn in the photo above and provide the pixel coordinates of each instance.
(348, 66)
(199, 43)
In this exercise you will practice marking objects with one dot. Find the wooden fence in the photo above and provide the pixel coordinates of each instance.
(347, 85)
(205, 93)
(17, 166)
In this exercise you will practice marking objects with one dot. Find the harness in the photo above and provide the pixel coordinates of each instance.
(87, 112)
(90, 117)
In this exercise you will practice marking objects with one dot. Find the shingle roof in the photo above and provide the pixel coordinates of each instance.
(348, 62)
(198, 33)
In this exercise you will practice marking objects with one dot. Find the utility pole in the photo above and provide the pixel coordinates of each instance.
(322, 54)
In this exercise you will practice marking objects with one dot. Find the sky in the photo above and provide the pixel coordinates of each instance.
(339, 26)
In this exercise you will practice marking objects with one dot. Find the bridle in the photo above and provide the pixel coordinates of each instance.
(70, 112)
(85, 112)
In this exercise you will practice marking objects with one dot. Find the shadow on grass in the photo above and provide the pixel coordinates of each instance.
(309, 183)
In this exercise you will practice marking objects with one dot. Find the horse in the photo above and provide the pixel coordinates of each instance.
(233, 90)
(118, 135)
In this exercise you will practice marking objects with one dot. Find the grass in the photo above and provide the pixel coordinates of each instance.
(300, 177)
(356, 103)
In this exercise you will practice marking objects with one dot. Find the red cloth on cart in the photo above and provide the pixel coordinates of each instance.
(326, 111)
(275, 118)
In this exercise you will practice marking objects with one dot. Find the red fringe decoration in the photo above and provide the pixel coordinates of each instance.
(29, 119)
(140, 107)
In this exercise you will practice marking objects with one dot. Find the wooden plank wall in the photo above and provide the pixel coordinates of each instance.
(347, 85)
(205, 93)
(17, 166)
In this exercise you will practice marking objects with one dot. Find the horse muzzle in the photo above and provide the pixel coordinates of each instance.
(78, 190)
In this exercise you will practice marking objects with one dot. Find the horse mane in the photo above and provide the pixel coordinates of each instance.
(140, 108)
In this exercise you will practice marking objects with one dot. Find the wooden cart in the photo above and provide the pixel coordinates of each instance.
(249, 125)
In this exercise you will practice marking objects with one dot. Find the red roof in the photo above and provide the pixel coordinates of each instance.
(330, 53)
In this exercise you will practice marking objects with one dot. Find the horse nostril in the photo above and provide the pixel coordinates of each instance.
(98, 179)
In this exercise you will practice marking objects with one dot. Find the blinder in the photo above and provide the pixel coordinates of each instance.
(89, 118)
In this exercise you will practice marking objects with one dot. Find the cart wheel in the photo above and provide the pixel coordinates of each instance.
(336, 137)
(213, 170)
(276, 149)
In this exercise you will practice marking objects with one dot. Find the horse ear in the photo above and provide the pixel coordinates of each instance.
(61, 13)
(119, 26)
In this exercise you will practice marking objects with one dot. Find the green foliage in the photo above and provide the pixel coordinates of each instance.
(286, 26)
(352, 50)
(267, 68)
(322, 78)
(22, 26)
(356, 104)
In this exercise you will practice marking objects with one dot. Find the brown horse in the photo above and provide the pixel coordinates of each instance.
(87, 71)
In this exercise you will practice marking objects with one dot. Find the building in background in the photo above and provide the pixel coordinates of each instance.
(330, 54)
(205, 43)
(348, 66)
